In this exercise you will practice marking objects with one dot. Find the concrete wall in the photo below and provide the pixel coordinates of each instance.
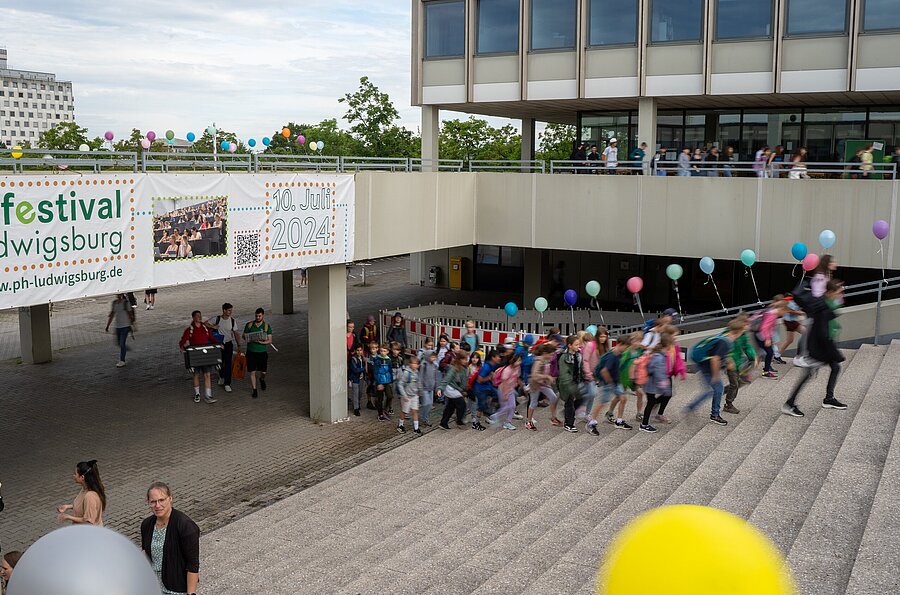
(398, 213)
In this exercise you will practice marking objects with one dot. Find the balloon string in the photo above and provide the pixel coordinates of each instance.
(881, 251)
(637, 301)
(572, 310)
(678, 297)
(596, 304)
(721, 303)
(752, 278)
(794, 270)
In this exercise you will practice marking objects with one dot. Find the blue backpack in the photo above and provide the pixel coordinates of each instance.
(700, 352)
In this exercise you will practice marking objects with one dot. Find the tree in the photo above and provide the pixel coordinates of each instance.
(372, 117)
(555, 142)
(336, 141)
(204, 144)
(133, 143)
(476, 139)
(65, 136)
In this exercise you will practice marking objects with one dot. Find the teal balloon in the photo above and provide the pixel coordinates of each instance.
(707, 265)
(592, 288)
(511, 309)
(799, 251)
(252, 142)
(827, 238)
(592, 329)
(674, 272)
(540, 304)
(211, 130)
(748, 257)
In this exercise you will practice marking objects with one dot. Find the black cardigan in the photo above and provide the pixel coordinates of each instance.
(181, 550)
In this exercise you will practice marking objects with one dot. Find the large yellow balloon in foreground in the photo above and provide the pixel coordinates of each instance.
(692, 550)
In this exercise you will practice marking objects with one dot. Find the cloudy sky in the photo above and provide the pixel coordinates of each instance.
(247, 66)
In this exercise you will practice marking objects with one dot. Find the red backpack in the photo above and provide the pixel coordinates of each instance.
(497, 378)
(470, 383)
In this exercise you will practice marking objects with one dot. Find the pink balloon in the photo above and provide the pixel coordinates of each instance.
(109, 135)
(810, 262)
(635, 284)
(301, 139)
(145, 142)
(881, 229)
(151, 135)
(232, 147)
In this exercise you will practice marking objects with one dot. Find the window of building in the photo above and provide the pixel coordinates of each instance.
(816, 17)
(445, 30)
(881, 15)
(676, 20)
(739, 19)
(613, 22)
(553, 24)
(498, 26)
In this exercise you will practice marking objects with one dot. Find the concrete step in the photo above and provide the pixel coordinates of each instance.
(823, 556)
(782, 510)
(878, 557)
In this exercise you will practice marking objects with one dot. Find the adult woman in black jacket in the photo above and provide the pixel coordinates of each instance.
(397, 331)
(171, 541)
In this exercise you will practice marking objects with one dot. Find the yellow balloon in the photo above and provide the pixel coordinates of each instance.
(692, 550)
(16, 152)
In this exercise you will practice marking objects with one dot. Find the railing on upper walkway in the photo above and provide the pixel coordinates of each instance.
(40, 160)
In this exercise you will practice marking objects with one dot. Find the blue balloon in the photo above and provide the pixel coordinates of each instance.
(707, 265)
(571, 297)
(252, 142)
(827, 238)
(799, 251)
(511, 309)
(191, 137)
(224, 145)
(266, 140)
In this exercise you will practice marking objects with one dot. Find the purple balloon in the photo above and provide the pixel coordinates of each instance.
(151, 136)
(881, 229)
(108, 135)
(571, 296)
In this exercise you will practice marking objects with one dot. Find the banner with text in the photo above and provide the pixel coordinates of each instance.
(65, 236)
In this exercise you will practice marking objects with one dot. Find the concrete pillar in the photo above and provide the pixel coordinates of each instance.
(327, 343)
(647, 124)
(527, 142)
(282, 292)
(416, 268)
(537, 275)
(431, 132)
(34, 334)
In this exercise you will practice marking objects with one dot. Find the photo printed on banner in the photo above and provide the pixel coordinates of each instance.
(190, 227)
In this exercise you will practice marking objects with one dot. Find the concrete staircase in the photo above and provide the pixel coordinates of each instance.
(532, 512)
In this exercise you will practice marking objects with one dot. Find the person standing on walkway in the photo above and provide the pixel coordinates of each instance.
(171, 541)
(258, 336)
(408, 389)
(611, 156)
(368, 334)
(684, 162)
(198, 335)
(150, 298)
(91, 500)
(453, 389)
(225, 325)
(123, 314)
(397, 332)
(821, 343)
(383, 377)
(569, 381)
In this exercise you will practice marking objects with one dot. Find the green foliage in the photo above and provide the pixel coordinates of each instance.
(65, 136)
(204, 144)
(476, 139)
(555, 142)
(132, 143)
(372, 119)
(337, 141)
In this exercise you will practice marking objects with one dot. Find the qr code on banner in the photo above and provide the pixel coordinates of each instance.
(246, 249)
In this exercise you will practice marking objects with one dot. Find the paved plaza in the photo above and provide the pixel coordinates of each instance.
(141, 424)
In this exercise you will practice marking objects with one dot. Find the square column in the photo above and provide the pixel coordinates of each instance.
(282, 292)
(527, 141)
(34, 334)
(431, 132)
(647, 125)
(327, 343)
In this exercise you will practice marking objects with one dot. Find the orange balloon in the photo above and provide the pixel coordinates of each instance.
(286, 132)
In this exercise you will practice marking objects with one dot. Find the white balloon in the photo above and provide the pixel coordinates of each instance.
(83, 147)
(83, 560)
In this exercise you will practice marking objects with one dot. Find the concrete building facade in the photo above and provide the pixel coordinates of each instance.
(31, 103)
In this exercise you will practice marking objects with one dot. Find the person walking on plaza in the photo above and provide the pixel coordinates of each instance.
(569, 382)
(607, 374)
(397, 332)
(408, 389)
(383, 377)
(740, 359)
(171, 542)
(711, 355)
(150, 298)
(509, 383)
(659, 383)
(484, 388)
(257, 349)
(91, 500)
(225, 325)
(540, 382)
(198, 334)
(428, 383)
(453, 389)
(764, 332)
(123, 314)
(821, 346)
(356, 370)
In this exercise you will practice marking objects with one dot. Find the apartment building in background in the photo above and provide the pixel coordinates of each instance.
(31, 103)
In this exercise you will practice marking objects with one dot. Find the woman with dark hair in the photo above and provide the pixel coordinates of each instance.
(171, 541)
(91, 500)
(822, 274)
(397, 331)
(7, 563)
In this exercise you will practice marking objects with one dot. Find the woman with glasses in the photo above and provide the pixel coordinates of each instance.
(171, 540)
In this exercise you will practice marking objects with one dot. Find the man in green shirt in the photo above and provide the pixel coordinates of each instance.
(257, 336)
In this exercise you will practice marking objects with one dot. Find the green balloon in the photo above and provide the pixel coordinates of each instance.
(540, 304)
(674, 272)
(592, 288)
(748, 257)
(211, 130)
(170, 135)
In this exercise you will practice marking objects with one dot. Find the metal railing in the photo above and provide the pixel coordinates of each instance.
(41, 160)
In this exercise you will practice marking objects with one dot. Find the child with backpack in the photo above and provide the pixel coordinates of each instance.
(540, 382)
(356, 370)
(408, 388)
(711, 356)
(763, 327)
(383, 376)
(593, 350)
(484, 390)
(506, 380)
(453, 389)
(397, 361)
(742, 356)
(659, 383)
(607, 375)
(569, 382)
(370, 376)
(626, 377)
(428, 383)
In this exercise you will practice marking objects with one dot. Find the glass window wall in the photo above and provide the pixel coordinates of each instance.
(613, 22)
(676, 21)
(445, 29)
(597, 129)
(816, 17)
(498, 26)
(881, 15)
(739, 19)
(553, 24)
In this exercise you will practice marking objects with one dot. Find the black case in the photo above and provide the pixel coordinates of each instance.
(202, 355)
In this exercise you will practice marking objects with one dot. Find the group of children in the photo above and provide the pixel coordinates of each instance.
(591, 374)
